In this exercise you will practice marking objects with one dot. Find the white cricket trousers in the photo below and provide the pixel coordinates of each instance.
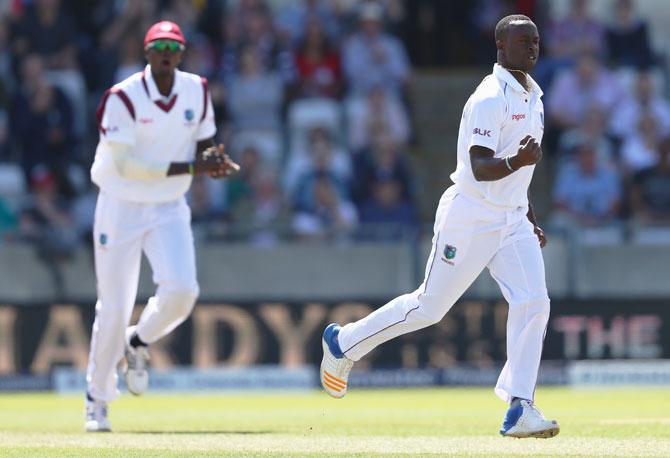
(122, 230)
(470, 235)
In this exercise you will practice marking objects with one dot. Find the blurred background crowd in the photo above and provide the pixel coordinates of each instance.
(316, 100)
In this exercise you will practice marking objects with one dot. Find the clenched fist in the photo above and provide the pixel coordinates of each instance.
(529, 153)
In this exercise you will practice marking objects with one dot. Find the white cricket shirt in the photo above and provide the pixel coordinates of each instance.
(158, 128)
(498, 115)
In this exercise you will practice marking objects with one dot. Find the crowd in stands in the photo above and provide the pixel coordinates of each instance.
(608, 120)
(312, 99)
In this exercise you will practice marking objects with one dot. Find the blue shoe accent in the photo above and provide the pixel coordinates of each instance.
(512, 416)
(330, 336)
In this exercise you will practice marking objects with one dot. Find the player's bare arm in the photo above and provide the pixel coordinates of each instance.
(537, 229)
(485, 167)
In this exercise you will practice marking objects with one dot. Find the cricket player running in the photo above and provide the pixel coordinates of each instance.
(156, 133)
(484, 220)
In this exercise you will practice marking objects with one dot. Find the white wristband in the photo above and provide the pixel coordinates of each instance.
(509, 166)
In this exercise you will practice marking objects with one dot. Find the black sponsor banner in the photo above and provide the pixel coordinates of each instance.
(36, 338)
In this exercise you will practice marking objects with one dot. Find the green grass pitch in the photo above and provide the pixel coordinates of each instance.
(417, 422)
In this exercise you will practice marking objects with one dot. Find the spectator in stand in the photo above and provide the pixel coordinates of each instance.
(640, 150)
(567, 39)
(291, 22)
(318, 64)
(239, 186)
(46, 221)
(593, 132)
(650, 195)
(329, 216)
(131, 58)
(576, 90)
(200, 58)
(646, 98)
(46, 218)
(382, 162)
(206, 200)
(254, 30)
(372, 58)
(587, 192)
(245, 9)
(255, 96)
(48, 30)
(387, 214)
(322, 164)
(120, 26)
(263, 210)
(627, 39)
(41, 121)
(321, 154)
(377, 114)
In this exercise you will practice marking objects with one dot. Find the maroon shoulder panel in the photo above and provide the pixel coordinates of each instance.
(100, 111)
(205, 92)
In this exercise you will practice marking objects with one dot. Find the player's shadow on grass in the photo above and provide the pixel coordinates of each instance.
(229, 432)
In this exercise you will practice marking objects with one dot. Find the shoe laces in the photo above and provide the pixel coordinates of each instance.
(137, 358)
(96, 409)
(342, 365)
(534, 407)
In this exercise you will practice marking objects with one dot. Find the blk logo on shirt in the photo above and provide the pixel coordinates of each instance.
(482, 132)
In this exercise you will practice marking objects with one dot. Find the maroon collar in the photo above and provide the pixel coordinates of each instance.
(166, 107)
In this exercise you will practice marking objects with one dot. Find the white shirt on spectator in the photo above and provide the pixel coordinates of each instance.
(364, 71)
(591, 194)
(570, 99)
(627, 115)
(394, 117)
(636, 155)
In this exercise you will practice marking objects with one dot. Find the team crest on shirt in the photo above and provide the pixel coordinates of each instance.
(188, 114)
(103, 239)
(448, 254)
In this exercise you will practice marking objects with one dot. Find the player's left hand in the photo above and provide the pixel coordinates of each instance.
(220, 164)
(540, 236)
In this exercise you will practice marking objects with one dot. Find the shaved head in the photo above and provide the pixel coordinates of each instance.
(503, 26)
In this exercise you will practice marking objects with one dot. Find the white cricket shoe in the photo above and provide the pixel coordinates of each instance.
(96, 417)
(524, 420)
(335, 367)
(137, 359)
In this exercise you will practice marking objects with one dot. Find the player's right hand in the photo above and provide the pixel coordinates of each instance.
(215, 163)
(529, 152)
